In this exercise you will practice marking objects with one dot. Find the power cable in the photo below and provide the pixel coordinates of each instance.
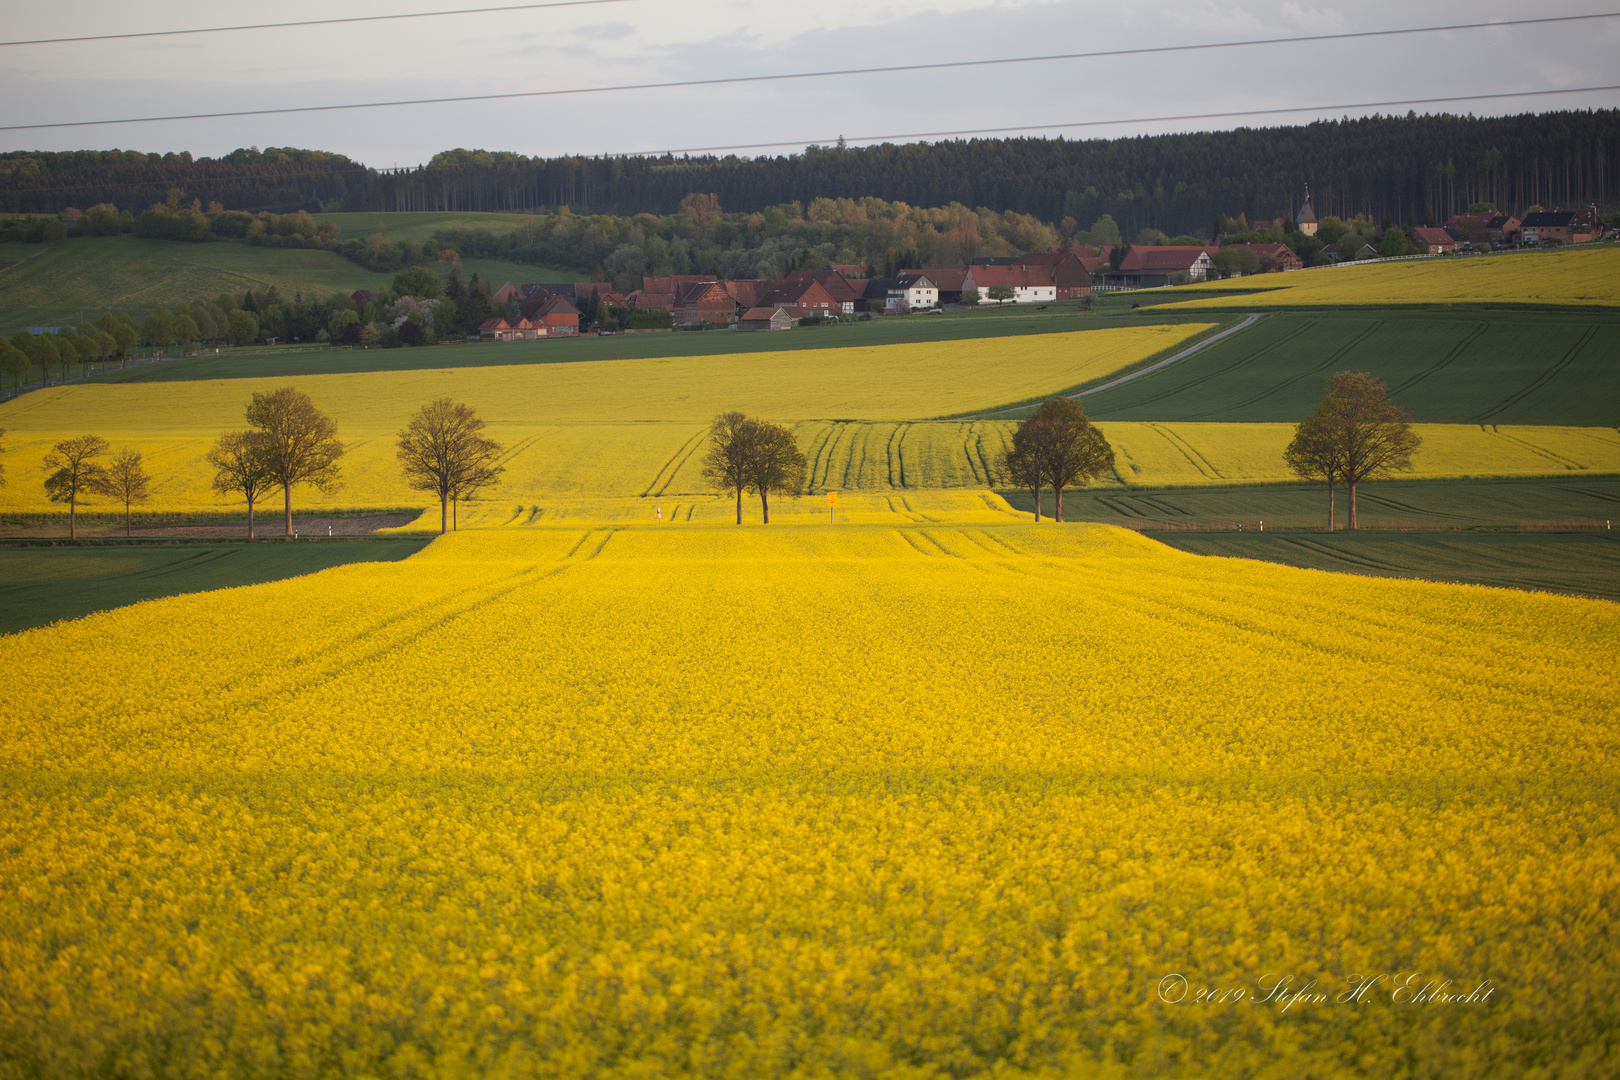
(1408, 102)
(310, 22)
(843, 73)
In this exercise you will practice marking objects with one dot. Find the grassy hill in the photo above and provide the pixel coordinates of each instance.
(51, 284)
(1466, 365)
(420, 225)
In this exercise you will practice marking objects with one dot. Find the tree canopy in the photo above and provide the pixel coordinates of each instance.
(1057, 447)
(442, 451)
(75, 471)
(300, 442)
(1356, 435)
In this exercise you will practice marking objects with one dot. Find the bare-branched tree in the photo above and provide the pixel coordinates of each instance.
(75, 472)
(126, 480)
(301, 442)
(241, 462)
(442, 451)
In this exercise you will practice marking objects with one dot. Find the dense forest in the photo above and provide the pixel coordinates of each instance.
(1379, 168)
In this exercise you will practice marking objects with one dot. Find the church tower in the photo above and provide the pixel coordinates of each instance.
(1306, 218)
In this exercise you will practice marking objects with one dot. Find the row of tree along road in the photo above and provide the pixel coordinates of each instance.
(1356, 435)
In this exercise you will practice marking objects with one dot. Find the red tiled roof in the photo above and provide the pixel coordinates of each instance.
(948, 278)
(494, 324)
(747, 291)
(1431, 236)
(760, 314)
(836, 284)
(1168, 259)
(986, 277)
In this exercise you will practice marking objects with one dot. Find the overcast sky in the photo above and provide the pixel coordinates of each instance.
(637, 41)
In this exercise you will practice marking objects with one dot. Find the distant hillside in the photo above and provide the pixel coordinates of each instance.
(51, 284)
(1383, 167)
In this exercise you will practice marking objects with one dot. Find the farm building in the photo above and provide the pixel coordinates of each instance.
(765, 318)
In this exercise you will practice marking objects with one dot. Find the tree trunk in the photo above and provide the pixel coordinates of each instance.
(1037, 504)
(764, 506)
(73, 509)
(126, 521)
(250, 519)
(739, 504)
(286, 491)
(444, 514)
(1332, 495)
(1353, 504)
(1058, 517)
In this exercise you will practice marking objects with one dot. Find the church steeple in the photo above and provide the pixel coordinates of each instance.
(1306, 218)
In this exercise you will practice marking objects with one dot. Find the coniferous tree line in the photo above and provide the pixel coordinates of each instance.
(276, 178)
(1381, 168)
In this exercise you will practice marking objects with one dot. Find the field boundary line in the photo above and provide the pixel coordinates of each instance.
(1248, 320)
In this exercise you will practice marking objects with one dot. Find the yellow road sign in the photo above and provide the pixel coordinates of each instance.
(832, 498)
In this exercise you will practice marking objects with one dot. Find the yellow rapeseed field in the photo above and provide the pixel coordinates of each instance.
(903, 799)
(1577, 276)
(555, 464)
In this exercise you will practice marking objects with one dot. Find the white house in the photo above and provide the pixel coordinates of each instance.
(1029, 285)
(915, 290)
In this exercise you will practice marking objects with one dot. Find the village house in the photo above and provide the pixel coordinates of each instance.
(914, 289)
(1150, 267)
(765, 318)
(505, 294)
(1436, 241)
(361, 297)
(746, 292)
(949, 280)
(802, 299)
(496, 329)
(1067, 272)
(1028, 286)
(1281, 255)
(1559, 226)
(705, 302)
(839, 288)
(557, 315)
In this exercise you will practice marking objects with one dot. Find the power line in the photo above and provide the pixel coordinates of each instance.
(310, 22)
(1110, 123)
(273, 177)
(733, 80)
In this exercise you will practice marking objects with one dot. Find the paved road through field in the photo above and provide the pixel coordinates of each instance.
(1248, 321)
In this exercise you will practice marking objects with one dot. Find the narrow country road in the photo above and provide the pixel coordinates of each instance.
(1248, 321)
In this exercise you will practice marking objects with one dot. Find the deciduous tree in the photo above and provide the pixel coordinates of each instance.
(1358, 432)
(731, 441)
(301, 442)
(242, 466)
(774, 463)
(126, 480)
(1062, 446)
(1022, 469)
(75, 472)
(442, 451)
